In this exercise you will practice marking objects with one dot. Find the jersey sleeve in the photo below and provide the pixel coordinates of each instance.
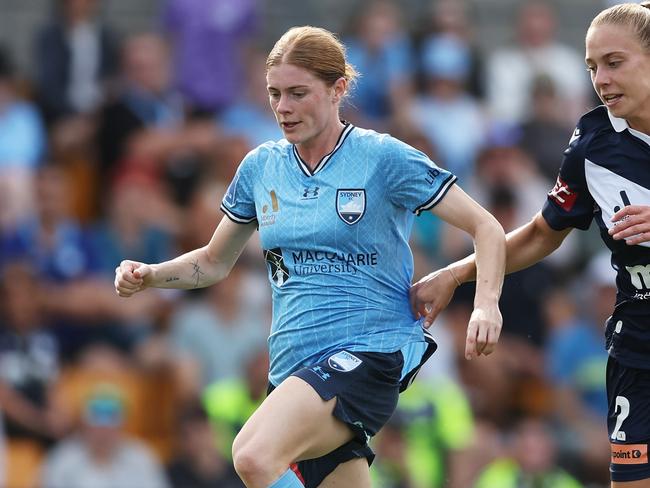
(569, 203)
(238, 203)
(414, 181)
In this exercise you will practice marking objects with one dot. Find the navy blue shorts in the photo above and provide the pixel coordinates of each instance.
(366, 386)
(628, 421)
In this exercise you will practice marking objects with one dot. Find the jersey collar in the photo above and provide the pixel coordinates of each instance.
(620, 125)
(304, 167)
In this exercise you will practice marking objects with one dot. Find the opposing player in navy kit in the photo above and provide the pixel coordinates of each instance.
(605, 176)
(334, 205)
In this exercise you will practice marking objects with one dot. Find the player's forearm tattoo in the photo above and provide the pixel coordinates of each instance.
(172, 278)
(197, 273)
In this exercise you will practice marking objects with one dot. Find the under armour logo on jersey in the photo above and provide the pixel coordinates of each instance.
(310, 193)
(562, 195)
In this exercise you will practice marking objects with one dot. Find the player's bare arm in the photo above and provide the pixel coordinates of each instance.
(525, 246)
(484, 328)
(196, 269)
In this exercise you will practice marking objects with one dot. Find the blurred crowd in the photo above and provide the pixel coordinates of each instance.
(122, 146)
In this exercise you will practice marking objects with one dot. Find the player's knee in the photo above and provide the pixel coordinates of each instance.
(250, 463)
(246, 464)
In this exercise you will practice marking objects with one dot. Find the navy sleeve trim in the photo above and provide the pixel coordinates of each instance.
(239, 219)
(442, 191)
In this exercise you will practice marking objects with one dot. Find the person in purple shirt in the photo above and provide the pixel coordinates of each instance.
(209, 37)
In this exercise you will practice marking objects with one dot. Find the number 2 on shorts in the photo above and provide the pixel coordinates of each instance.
(624, 404)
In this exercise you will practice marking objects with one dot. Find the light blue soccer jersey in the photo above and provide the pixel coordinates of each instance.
(336, 242)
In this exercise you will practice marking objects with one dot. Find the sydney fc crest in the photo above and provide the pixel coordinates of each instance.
(343, 361)
(351, 205)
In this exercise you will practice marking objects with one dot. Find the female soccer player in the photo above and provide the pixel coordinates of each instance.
(334, 205)
(606, 168)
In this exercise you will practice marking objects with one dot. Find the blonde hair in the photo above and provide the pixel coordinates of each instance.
(635, 16)
(314, 49)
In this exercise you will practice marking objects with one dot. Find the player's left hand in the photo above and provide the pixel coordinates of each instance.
(483, 331)
(631, 223)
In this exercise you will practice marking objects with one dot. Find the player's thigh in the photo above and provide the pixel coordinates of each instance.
(294, 422)
(628, 392)
(631, 484)
(355, 472)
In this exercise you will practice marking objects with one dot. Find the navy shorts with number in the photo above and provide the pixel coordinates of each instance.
(628, 421)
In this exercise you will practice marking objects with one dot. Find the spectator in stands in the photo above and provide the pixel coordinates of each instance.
(522, 291)
(75, 66)
(544, 131)
(59, 249)
(76, 55)
(503, 162)
(140, 220)
(199, 463)
(78, 303)
(530, 461)
(446, 105)
(22, 147)
(451, 18)
(378, 46)
(210, 40)
(101, 454)
(29, 361)
(145, 123)
(510, 71)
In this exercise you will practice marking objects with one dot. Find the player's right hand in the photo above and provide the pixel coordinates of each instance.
(132, 277)
(483, 330)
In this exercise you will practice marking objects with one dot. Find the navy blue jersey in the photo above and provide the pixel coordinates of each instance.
(606, 167)
(336, 243)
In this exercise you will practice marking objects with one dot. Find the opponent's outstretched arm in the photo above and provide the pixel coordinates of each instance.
(525, 246)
